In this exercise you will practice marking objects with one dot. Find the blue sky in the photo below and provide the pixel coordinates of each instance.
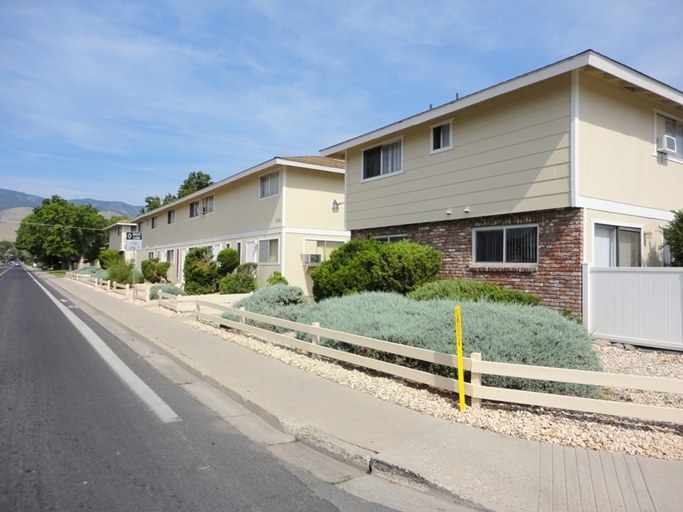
(122, 100)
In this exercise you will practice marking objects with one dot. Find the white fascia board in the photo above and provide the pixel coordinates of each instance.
(117, 224)
(588, 57)
(624, 209)
(303, 165)
(315, 232)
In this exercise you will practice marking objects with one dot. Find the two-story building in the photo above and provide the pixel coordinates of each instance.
(276, 214)
(521, 183)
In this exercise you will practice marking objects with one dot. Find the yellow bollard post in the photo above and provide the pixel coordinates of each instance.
(458, 347)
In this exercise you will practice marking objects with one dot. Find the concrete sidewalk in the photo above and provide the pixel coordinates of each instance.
(494, 471)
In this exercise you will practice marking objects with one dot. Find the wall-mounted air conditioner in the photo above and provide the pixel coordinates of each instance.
(312, 259)
(203, 211)
(666, 144)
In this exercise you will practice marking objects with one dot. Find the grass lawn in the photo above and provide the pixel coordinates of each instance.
(57, 272)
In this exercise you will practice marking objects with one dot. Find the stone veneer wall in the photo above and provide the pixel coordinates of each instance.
(557, 277)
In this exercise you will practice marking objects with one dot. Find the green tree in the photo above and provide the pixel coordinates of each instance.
(152, 203)
(195, 181)
(58, 233)
(200, 272)
(109, 257)
(5, 247)
(673, 238)
(228, 260)
(168, 198)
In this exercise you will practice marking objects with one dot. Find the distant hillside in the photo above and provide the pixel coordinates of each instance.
(14, 206)
(14, 199)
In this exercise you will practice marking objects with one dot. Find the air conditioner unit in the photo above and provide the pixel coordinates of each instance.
(312, 259)
(203, 211)
(666, 144)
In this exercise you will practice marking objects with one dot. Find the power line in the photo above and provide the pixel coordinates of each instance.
(50, 225)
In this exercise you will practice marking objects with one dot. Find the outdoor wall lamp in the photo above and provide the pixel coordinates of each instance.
(335, 205)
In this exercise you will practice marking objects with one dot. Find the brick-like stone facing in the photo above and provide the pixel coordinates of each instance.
(557, 277)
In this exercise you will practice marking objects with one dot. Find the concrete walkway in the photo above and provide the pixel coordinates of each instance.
(493, 471)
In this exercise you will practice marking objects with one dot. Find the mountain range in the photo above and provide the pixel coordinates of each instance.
(14, 206)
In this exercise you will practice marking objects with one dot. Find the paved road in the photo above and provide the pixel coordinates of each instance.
(74, 436)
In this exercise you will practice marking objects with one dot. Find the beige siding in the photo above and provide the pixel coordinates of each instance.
(617, 159)
(309, 197)
(298, 244)
(509, 155)
(651, 235)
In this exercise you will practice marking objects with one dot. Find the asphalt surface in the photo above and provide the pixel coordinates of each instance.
(74, 436)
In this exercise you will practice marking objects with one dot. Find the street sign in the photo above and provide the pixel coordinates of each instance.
(134, 235)
(133, 245)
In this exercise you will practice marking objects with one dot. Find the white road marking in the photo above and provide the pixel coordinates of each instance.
(135, 383)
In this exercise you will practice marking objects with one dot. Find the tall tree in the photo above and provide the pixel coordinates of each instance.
(195, 181)
(673, 238)
(58, 233)
(152, 203)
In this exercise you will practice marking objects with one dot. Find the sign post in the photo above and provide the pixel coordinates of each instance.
(134, 243)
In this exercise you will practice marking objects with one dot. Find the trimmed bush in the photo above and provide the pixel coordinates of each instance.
(508, 333)
(237, 283)
(166, 288)
(123, 273)
(200, 272)
(279, 301)
(370, 265)
(465, 289)
(277, 278)
(153, 271)
(228, 260)
(108, 257)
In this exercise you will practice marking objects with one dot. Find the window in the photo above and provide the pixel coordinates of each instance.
(513, 245)
(390, 238)
(672, 128)
(325, 248)
(169, 255)
(150, 255)
(381, 160)
(441, 137)
(170, 218)
(270, 184)
(139, 226)
(616, 246)
(194, 209)
(207, 205)
(154, 222)
(268, 251)
(118, 231)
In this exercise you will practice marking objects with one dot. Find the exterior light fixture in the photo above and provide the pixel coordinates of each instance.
(335, 205)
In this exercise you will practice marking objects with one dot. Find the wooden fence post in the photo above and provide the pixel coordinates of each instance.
(475, 380)
(315, 339)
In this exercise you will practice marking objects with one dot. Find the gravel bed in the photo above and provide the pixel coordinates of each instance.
(581, 430)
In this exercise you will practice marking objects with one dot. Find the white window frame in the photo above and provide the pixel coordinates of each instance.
(269, 193)
(432, 141)
(207, 205)
(150, 255)
(170, 253)
(155, 222)
(194, 209)
(614, 251)
(504, 248)
(660, 130)
(390, 238)
(170, 217)
(267, 243)
(383, 173)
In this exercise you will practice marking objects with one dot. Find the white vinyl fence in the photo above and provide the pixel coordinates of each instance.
(642, 306)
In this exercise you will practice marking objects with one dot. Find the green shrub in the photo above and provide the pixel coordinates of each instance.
(122, 273)
(148, 268)
(162, 270)
(277, 278)
(153, 271)
(370, 265)
(464, 289)
(247, 269)
(509, 333)
(108, 257)
(237, 283)
(279, 301)
(227, 260)
(200, 272)
(166, 288)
